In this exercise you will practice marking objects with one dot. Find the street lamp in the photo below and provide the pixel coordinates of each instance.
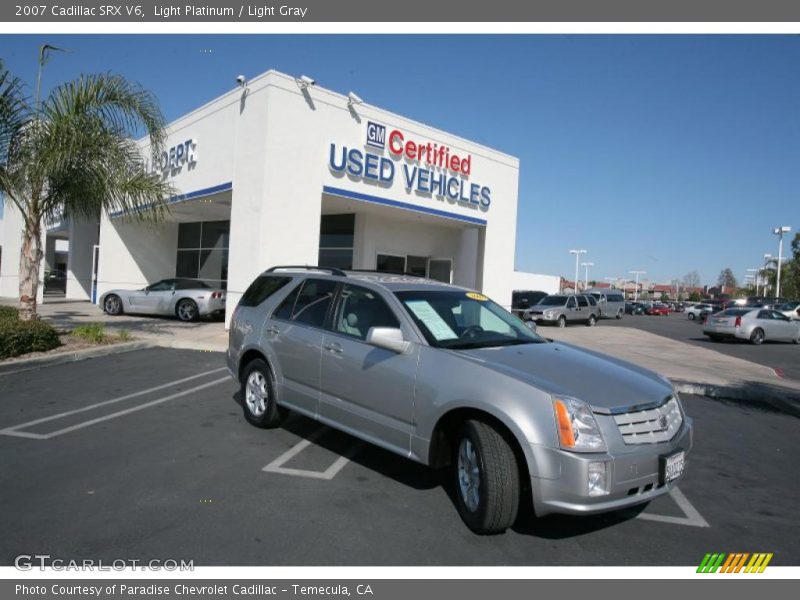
(636, 288)
(768, 258)
(779, 231)
(586, 265)
(754, 277)
(577, 254)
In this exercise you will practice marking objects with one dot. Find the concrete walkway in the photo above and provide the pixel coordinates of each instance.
(161, 331)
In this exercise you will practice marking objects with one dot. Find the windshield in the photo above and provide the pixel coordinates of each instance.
(553, 301)
(461, 320)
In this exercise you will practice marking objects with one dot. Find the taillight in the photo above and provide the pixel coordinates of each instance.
(216, 295)
(738, 322)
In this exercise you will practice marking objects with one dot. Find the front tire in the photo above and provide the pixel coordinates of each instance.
(186, 310)
(562, 321)
(486, 479)
(258, 396)
(619, 315)
(692, 317)
(112, 305)
(757, 337)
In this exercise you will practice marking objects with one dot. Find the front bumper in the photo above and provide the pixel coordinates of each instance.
(633, 476)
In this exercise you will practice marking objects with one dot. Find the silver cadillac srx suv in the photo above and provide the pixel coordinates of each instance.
(444, 376)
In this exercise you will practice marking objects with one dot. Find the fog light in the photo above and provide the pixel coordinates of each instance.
(598, 478)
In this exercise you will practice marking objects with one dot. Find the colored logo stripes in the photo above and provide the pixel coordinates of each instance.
(735, 562)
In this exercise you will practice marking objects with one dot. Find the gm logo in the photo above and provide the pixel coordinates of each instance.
(376, 135)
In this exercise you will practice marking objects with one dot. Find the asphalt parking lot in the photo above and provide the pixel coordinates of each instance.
(146, 455)
(777, 355)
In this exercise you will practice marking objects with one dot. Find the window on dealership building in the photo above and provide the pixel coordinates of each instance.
(336, 234)
(203, 251)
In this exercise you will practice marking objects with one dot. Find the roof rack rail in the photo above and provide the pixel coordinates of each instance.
(331, 270)
(403, 273)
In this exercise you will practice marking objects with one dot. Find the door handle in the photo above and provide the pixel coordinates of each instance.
(272, 330)
(333, 347)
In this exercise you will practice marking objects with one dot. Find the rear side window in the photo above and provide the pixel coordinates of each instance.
(261, 289)
(361, 309)
(735, 312)
(615, 298)
(308, 303)
(582, 301)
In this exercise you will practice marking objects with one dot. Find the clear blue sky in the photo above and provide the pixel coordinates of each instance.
(661, 153)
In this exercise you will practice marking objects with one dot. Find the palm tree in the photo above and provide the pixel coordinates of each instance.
(74, 156)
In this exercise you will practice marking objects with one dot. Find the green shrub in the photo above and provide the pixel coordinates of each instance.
(21, 337)
(124, 335)
(91, 332)
(9, 313)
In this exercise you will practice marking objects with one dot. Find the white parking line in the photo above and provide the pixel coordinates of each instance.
(14, 430)
(693, 518)
(276, 465)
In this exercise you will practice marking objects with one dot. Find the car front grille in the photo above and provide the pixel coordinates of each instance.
(651, 426)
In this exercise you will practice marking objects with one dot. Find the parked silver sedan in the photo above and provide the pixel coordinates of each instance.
(790, 309)
(187, 299)
(755, 325)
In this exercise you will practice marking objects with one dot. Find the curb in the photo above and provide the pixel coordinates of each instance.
(775, 397)
(26, 364)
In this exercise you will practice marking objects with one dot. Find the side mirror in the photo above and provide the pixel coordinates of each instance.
(531, 325)
(388, 338)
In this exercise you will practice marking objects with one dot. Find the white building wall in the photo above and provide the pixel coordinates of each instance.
(12, 224)
(83, 236)
(272, 142)
(133, 255)
(535, 282)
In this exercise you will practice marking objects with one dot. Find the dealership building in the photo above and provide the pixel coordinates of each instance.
(280, 171)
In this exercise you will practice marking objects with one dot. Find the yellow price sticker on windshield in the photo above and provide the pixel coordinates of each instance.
(477, 296)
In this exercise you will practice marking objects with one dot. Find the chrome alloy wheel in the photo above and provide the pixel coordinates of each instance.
(187, 311)
(113, 305)
(257, 393)
(469, 475)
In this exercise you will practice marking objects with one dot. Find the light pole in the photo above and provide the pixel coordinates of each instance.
(44, 51)
(636, 288)
(577, 254)
(779, 231)
(586, 265)
(755, 277)
(768, 258)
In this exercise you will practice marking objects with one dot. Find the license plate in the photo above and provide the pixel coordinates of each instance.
(672, 466)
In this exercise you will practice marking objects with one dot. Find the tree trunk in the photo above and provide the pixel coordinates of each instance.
(29, 261)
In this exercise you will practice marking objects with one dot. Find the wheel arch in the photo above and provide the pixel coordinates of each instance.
(447, 427)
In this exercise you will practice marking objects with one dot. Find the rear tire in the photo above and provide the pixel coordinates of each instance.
(591, 321)
(757, 337)
(562, 321)
(186, 310)
(486, 477)
(714, 338)
(258, 396)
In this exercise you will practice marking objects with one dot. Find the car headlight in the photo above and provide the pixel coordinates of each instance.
(577, 427)
(548, 314)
